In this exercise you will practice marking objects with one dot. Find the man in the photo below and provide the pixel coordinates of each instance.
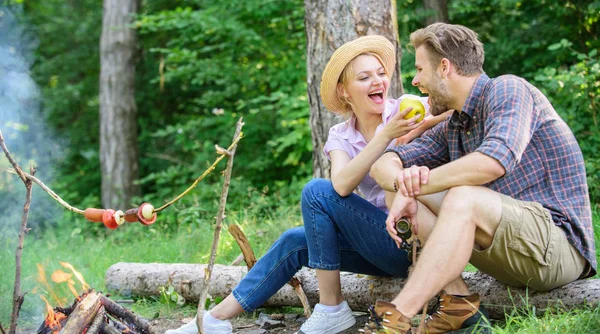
(501, 184)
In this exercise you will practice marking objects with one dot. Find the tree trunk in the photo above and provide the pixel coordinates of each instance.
(140, 279)
(118, 123)
(437, 11)
(329, 24)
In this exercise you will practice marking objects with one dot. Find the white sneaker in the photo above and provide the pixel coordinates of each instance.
(328, 323)
(191, 328)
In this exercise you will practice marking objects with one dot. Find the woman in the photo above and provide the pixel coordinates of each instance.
(342, 231)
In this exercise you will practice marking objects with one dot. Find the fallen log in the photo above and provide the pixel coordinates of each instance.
(145, 279)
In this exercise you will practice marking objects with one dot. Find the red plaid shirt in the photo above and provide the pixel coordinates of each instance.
(511, 121)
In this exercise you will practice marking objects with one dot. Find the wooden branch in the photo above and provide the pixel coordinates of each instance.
(244, 245)
(12, 161)
(220, 217)
(237, 260)
(83, 314)
(113, 326)
(98, 322)
(18, 296)
(297, 285)
(119, 311)
(2, 328)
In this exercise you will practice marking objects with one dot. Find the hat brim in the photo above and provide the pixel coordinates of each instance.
(345, 54)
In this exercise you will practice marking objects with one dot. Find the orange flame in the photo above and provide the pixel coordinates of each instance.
(77, 274)
(49, 290)
(53, 319)
(59, 276)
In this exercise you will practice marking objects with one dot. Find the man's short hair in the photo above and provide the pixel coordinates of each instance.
(457, 43)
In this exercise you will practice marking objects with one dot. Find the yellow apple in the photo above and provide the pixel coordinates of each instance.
(417, 108)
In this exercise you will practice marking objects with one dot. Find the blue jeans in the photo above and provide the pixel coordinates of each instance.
(345, 233)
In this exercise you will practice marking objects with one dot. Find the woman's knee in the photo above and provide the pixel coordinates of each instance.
(293, 238)
(316, 186)
(291, 246)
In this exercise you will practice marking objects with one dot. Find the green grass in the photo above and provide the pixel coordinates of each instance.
(92, 254)
(165, 241)
(584, 320)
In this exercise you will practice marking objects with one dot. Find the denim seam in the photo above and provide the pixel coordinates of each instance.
(315, 265)
(242, 301)
(351, 208)
(315, 235)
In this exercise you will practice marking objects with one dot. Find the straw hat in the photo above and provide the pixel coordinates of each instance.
(343, 55)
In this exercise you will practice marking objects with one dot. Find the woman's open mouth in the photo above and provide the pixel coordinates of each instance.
(377, 96)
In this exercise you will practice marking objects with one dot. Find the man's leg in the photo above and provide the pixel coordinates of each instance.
(467, 215)
(429, 208)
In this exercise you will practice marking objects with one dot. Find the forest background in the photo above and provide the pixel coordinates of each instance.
(202, 65)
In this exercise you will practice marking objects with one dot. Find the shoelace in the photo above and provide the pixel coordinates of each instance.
(313, 319)
(373, 319)
(377, 320)
(436, 309)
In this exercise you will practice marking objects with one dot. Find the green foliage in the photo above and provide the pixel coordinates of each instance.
(170, 297)
(221, 62)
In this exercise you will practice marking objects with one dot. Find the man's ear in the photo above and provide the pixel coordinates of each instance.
(445, 67)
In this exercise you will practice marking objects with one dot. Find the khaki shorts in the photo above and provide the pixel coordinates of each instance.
(529, 250)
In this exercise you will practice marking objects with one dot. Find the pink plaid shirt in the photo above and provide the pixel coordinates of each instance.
(344, 136)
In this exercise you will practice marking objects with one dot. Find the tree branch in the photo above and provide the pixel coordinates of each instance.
(12, 161)
(18, 296)
(220, 217)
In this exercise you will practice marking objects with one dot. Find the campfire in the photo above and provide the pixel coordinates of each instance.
(90, 313)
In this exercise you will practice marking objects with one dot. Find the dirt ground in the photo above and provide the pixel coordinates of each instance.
(288, 323)
(277, 323)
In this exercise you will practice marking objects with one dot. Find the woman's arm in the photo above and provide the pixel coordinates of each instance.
(428, 123)
(347, 173)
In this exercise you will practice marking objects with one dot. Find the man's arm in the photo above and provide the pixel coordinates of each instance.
(385, 169)
(474, 169)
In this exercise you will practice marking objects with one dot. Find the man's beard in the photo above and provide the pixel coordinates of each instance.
(439, 99)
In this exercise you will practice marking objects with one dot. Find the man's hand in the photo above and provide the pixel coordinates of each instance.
(402, 207)
(409, 180)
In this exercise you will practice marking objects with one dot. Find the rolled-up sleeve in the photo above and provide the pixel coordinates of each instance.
(430, 150)
(508, 126)
(334, 142)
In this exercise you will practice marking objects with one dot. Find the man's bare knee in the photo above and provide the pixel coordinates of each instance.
(474, 205)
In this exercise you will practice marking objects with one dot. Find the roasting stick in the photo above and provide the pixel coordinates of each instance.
(48, 190)
(222, 154)
(145, 213)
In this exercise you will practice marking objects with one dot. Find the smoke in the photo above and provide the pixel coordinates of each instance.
(22, 126)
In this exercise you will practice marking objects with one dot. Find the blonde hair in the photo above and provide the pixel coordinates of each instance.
(347, 75)
(457, 43)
